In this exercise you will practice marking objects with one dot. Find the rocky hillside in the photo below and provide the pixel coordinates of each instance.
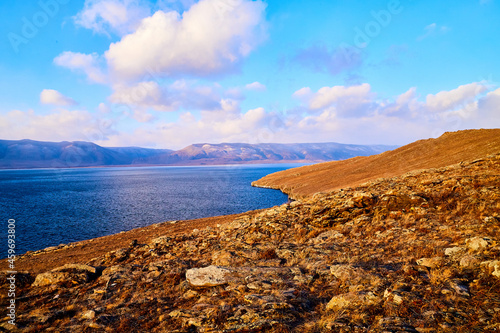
(415, 253)
(448, 149)
(36, 154)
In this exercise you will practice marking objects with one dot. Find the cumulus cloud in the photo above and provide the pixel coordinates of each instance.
(60, 125)
(445, 100)
(54, 97)
(117, 16)
(399, 120)
(226, 124)
(405, 118)
(256, 86)
(351, 101)
(180, 94)
(320, 59)
(210, 38)
(84, 63)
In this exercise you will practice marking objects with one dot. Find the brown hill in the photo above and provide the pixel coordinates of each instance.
(450, 148)
(416, 253)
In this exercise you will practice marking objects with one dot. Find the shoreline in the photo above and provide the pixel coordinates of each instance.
(83, 251)
(207, 164)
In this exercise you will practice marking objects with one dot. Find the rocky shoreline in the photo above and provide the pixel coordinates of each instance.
(414, 253)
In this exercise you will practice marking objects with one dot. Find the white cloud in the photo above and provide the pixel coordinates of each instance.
(60, 125)
(80, 62)
(54, 97)
(446, 100)
(179, 94)
(118, 16)
(303, 93)
(349, 101)
(328, 96)
(227, 124)
(256, 86)
(210, 38)
(433, 29)
(399, 120)
(408, 96)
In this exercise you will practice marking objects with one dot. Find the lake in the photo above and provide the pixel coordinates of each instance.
(58, 206)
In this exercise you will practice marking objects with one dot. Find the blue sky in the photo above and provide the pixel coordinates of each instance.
(170, 73)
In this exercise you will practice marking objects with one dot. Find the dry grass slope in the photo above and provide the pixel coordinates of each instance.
(448, 149)
(418, 252)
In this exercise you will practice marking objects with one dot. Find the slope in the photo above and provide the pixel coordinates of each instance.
(450, 148)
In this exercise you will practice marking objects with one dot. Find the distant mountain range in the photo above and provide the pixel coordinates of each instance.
(37, 154)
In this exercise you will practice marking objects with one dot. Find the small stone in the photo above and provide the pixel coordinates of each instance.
(190, 294)
(90, 314)
(431, 262)
(469, 262)
(493, 266)
(453, 250)
(393, 296)
(208, 276)
(476, 243)
(351, 300)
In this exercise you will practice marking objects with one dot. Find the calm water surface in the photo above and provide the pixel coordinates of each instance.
(55, 206)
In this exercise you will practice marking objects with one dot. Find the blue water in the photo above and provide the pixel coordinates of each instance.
(58, 206)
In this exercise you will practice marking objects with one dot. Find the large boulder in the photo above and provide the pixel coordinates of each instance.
(74, 273)
(207, 276)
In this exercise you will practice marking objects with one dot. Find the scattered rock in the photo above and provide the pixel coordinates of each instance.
(352, 251)
(393, 296)
(453, 250)
(72, 273)
(352, 300)
(90, 314)
(208, 276)
(469, 261)
(493, 266)
(476, 243)
(434, 262)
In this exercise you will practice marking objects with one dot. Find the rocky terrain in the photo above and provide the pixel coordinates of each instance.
(37, 154)
(418, 252)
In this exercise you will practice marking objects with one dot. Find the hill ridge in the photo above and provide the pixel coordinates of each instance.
(418, 252)
(40, 154)
(450, 148)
